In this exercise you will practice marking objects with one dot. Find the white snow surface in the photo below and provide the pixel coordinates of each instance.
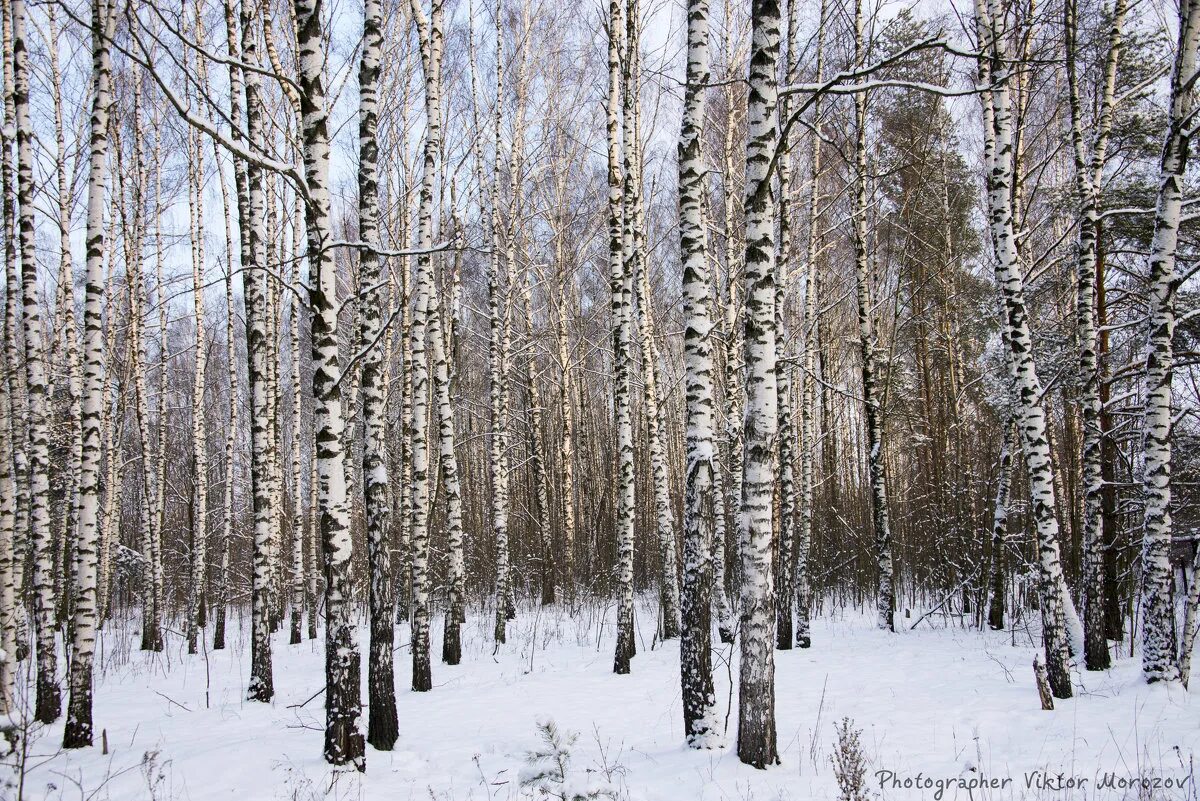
(934, 705)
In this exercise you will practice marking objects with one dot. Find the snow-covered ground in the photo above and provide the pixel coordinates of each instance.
(934, 706)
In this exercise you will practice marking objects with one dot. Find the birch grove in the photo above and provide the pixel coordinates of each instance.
(682, 330)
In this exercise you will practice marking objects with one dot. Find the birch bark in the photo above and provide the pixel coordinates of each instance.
(77, 733)
(756, 677)
(700, 486)
(1160, 656)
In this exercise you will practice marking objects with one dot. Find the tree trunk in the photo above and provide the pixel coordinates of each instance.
(1031, 417)
(49, 701)
(620, 246)
(885, 600)
(251, 203)
(430, 33)
(700, 724)
(1000, 528)
(382, 724)
(77, 732)
(1160, 657)
(1089, 173)
(756, 682)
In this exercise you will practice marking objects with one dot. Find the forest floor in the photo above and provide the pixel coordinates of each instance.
(938, 707)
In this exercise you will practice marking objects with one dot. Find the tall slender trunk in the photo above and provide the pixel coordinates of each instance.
(639, 277)
(68, 330)
(441, 355)
(132, 226)
(112, 427)
(537, 451)
(619, 251)
(343, 739)
(756, 678)
(429, 29)
(220, 601)
(77, 733)
(808, 391)
(15, 348)
(49, 697)
(869, 348)
(157, 571)
(11, 565)
(566, 402)
(1031, 416)
(8, 602)
(1089, 174)
(252, 209)
(382, 724)
(1160, 656)
(298, 540)
(198, 594)
(786, 492)
(700, 724)
(1114, 611)
(734, 390)
(498, 363)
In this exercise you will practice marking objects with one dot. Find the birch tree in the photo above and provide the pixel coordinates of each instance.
(1031, 415)
(619, 257)
(429, 31)
(498, 363)
(252, 219)
(49, 701)
(344, 742)
(700, 486)
(756, 677)
(640, 279)
(868, 347)
(77, 733)
(198, 595)
(1089, 175)
(456, 616)
(382, 725)
(808, 390)
(1160, 654)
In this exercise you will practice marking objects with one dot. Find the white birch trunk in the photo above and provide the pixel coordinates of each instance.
(198, 592)
(1089, 173)
(344, 743)
(701, 489)
(1031, 417)
(382, 724)
(869, 346)
(49, 701)
(498, 364)
(808, 390)
(1160, 657)
(756, 678)
(429, 30)
(620, 265)
(77, 732)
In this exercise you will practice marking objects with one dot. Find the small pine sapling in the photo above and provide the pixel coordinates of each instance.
(547, 770)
